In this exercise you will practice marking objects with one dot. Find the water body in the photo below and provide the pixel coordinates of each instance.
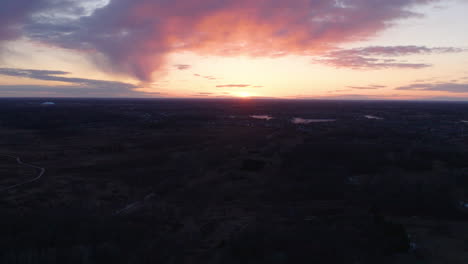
(373, 117)
(262, 117)
(303, 121)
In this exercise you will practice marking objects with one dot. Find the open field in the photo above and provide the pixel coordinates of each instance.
(196, 181)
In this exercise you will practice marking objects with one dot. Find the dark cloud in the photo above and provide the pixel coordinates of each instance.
(135, 36)
(233, 85)
(79, 87)
(28, 73)
(68, 91)
(377, 57)
(13, 14)
(370, 87)
(57, 76)
(438, 87)
(392, 51)
(183, 67)
(447, 98)
(34, 15)
(335, 97)
(364, 63)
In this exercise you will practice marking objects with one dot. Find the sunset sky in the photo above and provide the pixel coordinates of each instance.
(293, 49)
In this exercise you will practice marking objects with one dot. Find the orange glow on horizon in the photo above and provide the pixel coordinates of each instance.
(243, 94)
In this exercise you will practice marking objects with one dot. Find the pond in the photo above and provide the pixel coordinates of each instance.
(303, 121)
(373, 117)
(262, 117)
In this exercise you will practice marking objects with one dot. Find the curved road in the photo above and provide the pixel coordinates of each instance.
(20, 162)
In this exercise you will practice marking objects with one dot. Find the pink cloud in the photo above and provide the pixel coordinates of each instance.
(135, 36)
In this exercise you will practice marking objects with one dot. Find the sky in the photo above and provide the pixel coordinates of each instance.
(294, 49)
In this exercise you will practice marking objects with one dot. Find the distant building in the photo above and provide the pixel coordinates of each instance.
(48, 104)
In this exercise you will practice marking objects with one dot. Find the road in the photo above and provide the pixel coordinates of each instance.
(20, 162)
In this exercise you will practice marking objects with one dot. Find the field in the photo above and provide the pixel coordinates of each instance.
(202, 181)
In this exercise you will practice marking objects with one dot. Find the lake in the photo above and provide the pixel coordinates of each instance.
(302, 121)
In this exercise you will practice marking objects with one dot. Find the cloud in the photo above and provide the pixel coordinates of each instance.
(57, 76)
(233, 86)
(363, 97)
(370, 87)
(79, 87)
(393, 51)
(335, 97)
(377, 57)
(211, 78)
(13, 13)
(183, 67)
(446, 98)
(438, 87)
(28, 73)
(341, 91)
(135, 36)
(68, 91)
(16, 15)
(362, 63)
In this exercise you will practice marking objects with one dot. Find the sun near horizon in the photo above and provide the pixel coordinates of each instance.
(243, 94)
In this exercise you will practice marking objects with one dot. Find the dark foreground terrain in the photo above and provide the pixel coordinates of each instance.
(196, 181)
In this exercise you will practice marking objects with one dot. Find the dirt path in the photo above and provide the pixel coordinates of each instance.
(20, 162)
